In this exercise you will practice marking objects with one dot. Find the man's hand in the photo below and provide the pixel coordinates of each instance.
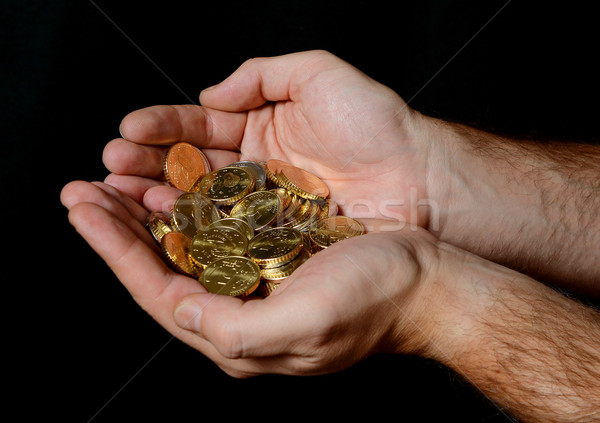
(354, 299)
(310, 109)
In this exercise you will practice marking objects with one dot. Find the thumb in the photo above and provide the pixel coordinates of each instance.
(263, 79)
(242, 329)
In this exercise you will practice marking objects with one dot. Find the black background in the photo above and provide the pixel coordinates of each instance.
(80, 347)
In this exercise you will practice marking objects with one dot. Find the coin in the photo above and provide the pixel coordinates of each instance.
(256, 170)
(284, 195)
(215, 243)
(159, 224)
(235, 223)
(259, 209)
(308, 244)
(297, 180)
(299, 214)
(325, 232)
(175, 246)
(184, 164)
(309, 218)
(282, 272)
(266, 288)
(275, 246)
(234, 276)
(329, 208)
(193, 212)
(227, 185)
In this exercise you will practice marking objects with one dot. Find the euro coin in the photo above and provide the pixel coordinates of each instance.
(175, 246)
(274, 247)
(266, 288)
(328, 231)
(227, 185)
(256, 170)
(299, 181)
(259, 209)
(286, 270)
(193, 212)
(159, 224)
(235, 223)
(234, 276)
(184, 164)
(215, 243)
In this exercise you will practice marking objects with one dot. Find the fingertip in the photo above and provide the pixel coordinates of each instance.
(71, 193)
(136, 125)
(160, 198)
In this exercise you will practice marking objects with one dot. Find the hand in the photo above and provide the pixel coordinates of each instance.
(356, 298)
(310, 109)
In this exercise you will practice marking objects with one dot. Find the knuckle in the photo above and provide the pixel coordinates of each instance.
(228, 341)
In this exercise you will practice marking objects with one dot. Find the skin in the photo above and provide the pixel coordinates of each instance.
(405, 287)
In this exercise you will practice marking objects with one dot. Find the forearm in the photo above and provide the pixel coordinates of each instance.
(531, 350)
(529, 205)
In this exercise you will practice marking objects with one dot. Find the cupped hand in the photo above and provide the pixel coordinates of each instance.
(310, 109)
(359, 297)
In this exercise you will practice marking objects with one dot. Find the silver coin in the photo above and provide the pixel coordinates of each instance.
(256, 170)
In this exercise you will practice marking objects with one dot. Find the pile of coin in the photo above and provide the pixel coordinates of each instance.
(246, 227)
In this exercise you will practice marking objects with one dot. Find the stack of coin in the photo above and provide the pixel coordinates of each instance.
(245, 227)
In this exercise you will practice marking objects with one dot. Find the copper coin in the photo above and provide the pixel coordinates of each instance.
(176, 247)
(297, 180)
(184, 165)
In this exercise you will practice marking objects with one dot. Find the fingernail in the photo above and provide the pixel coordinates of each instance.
(121, 132)
(186, 315)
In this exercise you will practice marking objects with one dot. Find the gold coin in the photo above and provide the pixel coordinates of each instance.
(284, 195)
(309, 218)
(235, 223)
(275, 246)
(159, 224)
(300, 214)
(184, 164)
(215, 243)
(234, 276)
(282, 272)
(256, 170)
(325, 232)
(259, 209)
(266, 288)
(299, 181)
(193, 212)
(176, 248)
(310, 246)
(227, 185)
(329, 208)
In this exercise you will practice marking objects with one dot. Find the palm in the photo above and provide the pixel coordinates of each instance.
(353, 138)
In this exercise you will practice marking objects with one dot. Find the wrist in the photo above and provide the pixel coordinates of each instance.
(435, 317)
(443, 315)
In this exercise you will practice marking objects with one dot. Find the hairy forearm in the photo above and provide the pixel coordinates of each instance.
(533, 206)
(528, 348)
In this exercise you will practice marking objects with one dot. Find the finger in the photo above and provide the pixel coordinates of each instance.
(107, 197)
(263, 79)
(161, 198)
(126, 158)
(220, 158)
(133, 186)
(153, 285)
(245, 329)
(203, 127)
